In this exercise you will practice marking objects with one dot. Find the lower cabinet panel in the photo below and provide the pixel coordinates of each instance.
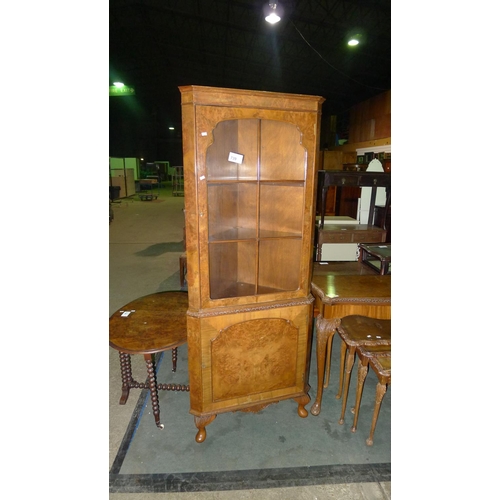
(244, 359)
(255, 356)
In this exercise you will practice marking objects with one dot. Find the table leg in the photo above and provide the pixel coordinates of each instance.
(325, 330)
(384, 268)
(126, 371)
(379, 395)
(362, 371)
(343, 348)
(348, 369)
(328, 360)
(153, 389)
(174, 359)
(319, 251)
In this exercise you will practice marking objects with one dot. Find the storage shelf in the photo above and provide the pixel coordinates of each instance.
(245, 234)
(277, 182)
(244, 289)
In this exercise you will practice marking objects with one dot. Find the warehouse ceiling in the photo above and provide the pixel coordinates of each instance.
(156, 46)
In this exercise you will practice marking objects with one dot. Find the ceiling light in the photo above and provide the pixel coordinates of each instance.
(273, 12)
(355, 38)
(119, 84)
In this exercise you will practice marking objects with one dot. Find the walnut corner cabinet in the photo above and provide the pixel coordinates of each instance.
(250, 178)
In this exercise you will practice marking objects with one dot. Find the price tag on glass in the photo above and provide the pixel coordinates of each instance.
(235, 157)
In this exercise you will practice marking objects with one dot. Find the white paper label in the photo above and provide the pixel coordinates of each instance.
(235, 157)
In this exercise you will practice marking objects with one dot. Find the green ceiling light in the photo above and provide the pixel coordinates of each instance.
(353, 42)
(273, 12)
(120, 89)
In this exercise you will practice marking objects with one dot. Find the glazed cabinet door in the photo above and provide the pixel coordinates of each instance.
(255, 174)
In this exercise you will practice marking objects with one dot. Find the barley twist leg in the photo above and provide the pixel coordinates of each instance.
(126, 371)
(153, 389)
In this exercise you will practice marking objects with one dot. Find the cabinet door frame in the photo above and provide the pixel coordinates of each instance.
(206, 118)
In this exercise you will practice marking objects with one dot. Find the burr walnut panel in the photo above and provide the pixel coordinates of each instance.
(269, 361)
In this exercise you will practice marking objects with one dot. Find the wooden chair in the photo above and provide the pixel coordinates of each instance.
(356, 331)
(378, 358)
(183, 268)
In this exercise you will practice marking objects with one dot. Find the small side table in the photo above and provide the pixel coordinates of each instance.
(148, 325)
(378, 257)
(379, 360)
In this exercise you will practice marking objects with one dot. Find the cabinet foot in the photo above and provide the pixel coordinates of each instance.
(303, 401)
(201, 423)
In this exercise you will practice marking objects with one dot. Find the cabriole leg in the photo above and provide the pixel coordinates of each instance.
(362, 371)
(379, 395)
(303, 401)
(201, 423)
(348, 369)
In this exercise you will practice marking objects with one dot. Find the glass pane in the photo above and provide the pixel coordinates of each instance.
(232, 269)
(232, 211)
(279, 265)
(281, 210)
(282, 155)
(233, 153)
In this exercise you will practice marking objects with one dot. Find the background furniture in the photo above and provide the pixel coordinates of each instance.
(339, 252)
(151, 324)
(124, 180)
(355, 331)
(341, 289)
(383, 213)
(178, 181)
(182, 268)
(249, 166)
(379, 360)
(362, 233)
(344, 233)
(122, 174)
(149, 188)
(378, 257)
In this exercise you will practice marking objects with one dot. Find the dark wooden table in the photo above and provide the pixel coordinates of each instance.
(362, 233)
(378, 257)
(341, 289)
(148, 325)
(327, 178)
(347, 233)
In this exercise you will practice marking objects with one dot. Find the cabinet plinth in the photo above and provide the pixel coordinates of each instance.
(249, 185)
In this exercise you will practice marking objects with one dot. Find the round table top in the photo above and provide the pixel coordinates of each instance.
(152, 323)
